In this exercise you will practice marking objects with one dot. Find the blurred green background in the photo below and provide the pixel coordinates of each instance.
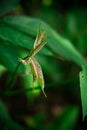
(61, 110)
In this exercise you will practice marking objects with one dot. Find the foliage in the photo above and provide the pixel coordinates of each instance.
(61, 59)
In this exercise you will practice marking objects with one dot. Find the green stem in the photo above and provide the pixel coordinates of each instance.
(15, 92)
(11, 80)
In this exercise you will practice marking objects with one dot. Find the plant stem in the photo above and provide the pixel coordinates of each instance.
(11, 80)
(15, 92)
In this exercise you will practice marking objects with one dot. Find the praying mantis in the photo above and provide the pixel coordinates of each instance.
(36, 69)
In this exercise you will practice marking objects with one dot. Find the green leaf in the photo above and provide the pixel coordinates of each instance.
(8, 56)
(83, 89)
(69, 119)
(7, 5)
(15, 37)
(56, 43)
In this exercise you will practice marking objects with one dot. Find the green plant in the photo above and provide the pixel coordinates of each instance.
(17, 36)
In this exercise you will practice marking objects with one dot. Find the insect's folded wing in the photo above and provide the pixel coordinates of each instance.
(40, 75)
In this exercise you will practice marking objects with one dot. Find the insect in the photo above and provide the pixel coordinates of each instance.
(36, 69)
